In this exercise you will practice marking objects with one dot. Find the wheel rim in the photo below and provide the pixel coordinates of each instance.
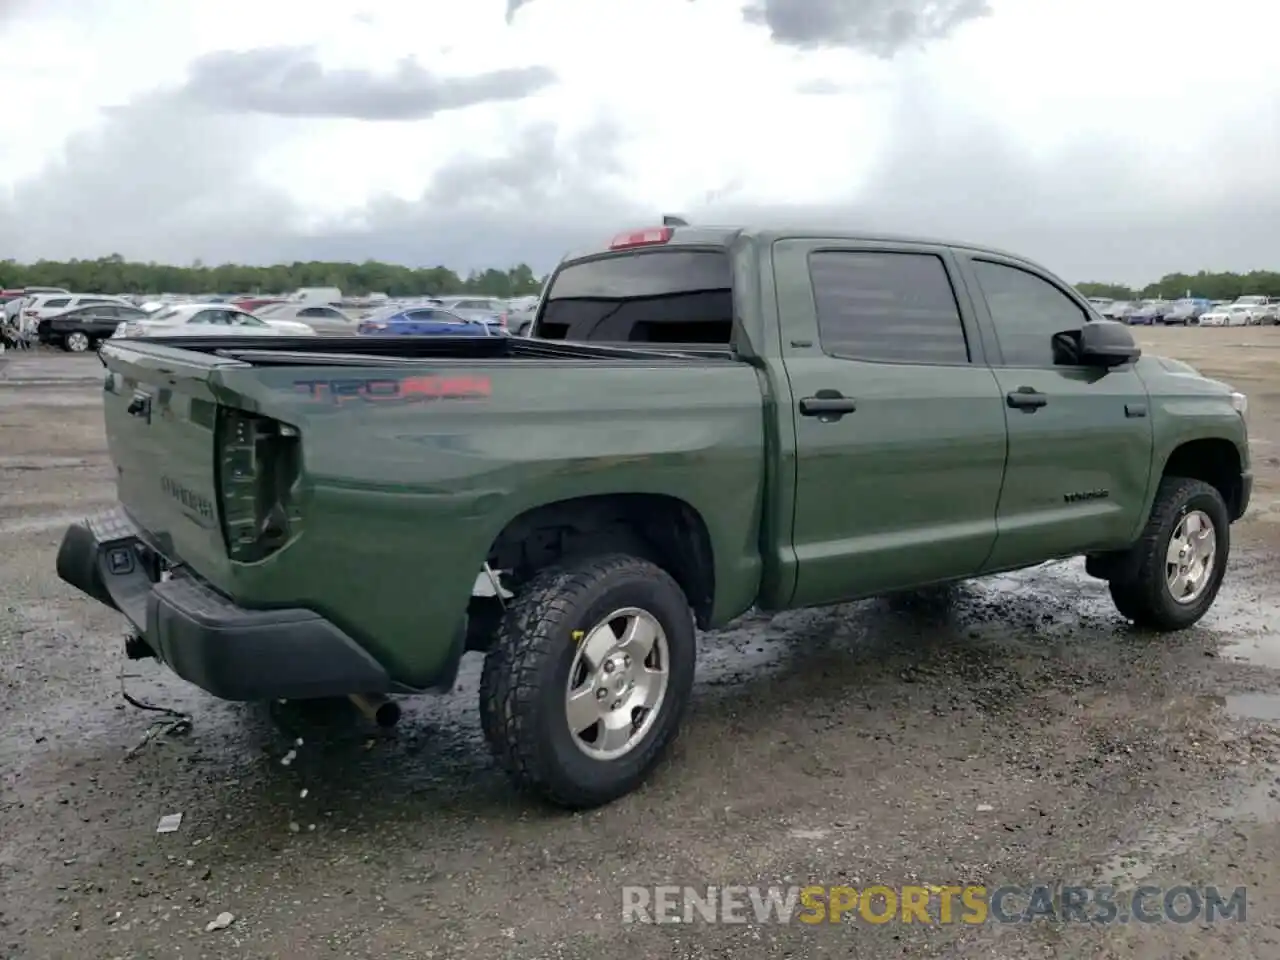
(1190, 557)
(77, 342)
(617, 683)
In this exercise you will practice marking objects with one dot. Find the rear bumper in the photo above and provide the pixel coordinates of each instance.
(206, 638)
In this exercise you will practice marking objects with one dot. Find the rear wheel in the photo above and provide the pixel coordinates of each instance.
(76, 342)
(589, 679)
(1172, 574)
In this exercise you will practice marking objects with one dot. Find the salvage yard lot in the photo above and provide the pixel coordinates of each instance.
(1014, 732)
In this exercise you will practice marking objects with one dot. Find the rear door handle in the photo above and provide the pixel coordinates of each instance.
(828, 405)
(1026, 398)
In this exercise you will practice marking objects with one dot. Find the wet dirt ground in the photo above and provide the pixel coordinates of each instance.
(1014, 732)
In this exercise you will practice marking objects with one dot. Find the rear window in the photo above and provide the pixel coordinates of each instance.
(662, 296)
(56, 302)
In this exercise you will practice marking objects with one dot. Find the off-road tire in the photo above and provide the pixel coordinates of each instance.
(526, 673)
(1138, 586)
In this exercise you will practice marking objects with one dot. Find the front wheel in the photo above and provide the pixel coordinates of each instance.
(1172, 574)
(588, 679)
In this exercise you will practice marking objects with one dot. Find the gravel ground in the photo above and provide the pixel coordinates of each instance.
(1010, 731)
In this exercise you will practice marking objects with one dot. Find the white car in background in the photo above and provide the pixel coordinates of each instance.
(209, 320)
(1230, 315)
(324, 318)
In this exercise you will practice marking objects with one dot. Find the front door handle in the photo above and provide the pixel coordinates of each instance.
(827, 405)
(1027, 399)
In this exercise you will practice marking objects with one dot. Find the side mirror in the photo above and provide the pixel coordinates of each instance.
(1099, 343)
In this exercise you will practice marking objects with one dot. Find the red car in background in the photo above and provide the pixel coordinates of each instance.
(250, 304)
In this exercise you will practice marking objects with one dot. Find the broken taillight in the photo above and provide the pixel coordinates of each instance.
(259, 466)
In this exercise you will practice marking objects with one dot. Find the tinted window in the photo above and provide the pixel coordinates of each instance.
(1026, 311)
(887, 306)
(426, 316)
(58, 302)
(207, 316)
(665, 296)
(317, 312)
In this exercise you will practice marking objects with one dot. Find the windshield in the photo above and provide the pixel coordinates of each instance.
(661, 296)
(162, 315)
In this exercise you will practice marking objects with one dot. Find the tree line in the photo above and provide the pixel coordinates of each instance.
(114, 274)
(1211, 286)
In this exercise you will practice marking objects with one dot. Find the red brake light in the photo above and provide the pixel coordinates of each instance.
(641, 238)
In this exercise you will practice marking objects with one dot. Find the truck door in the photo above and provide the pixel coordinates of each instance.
(1080, 438)
(899, 423)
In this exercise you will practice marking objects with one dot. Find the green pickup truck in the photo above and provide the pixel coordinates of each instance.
(705, 421)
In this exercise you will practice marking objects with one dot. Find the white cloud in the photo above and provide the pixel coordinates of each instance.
(1113, 139)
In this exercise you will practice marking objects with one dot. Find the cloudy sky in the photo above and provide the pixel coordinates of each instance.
(1111, 139)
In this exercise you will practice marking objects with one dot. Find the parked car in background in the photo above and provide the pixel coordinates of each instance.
(483, 309)
(425, 322)
(1119, 309)
(315, 295)
(208, 320)
(323, 319)
(81, 328)
(254, 304)
(1231, 315)
(1149, 312)
(1185, 312)
(1265, 309)
(47, 304)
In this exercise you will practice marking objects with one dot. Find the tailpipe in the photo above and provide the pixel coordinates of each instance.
(383, 712)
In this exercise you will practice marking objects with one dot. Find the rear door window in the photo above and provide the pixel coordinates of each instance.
(671, 296)
(887, 306)
(56, 303)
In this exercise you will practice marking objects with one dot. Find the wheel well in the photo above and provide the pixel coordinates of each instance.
(1216, 462)
(662, 529)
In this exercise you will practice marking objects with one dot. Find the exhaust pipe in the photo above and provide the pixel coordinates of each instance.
(383, 712)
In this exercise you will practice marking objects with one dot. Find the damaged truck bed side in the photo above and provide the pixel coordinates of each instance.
(705, 421)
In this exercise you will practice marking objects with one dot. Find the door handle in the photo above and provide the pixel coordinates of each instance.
(1133, 410)
(827, 405)
(1027, 399)
(139, 406)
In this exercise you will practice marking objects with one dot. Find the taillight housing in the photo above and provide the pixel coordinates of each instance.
(652, 236)
(259, 471)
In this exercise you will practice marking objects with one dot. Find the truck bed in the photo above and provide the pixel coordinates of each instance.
(345, 475)
(377, 351)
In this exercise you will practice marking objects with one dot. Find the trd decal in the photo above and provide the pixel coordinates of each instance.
(395, 390)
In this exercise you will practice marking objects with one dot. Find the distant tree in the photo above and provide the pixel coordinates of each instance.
(114, 274)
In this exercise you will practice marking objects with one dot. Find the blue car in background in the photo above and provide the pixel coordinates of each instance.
(425, 321)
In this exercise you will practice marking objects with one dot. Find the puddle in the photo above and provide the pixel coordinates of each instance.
(1262, 650)
(1253, 706)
